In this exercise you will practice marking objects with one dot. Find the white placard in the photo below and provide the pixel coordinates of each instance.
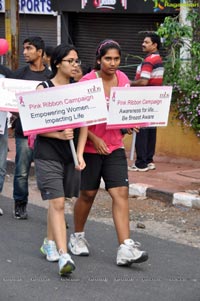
(58, 108)
(8, 88)
(3, 116)
(139, 106)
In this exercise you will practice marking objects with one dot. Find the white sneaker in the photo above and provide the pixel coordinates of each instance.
(66, 264)
(1, 211)
(151, 166)
(49, 249)
(135, 168)
(78, 245)
(129, 253)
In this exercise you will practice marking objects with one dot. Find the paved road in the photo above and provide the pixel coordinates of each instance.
(171, 274)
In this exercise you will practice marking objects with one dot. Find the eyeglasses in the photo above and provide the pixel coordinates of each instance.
(73, 62)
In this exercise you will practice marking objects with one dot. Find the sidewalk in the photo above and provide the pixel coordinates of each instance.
(175, 180)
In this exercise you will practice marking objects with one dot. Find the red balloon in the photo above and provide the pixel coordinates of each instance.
(3, 46)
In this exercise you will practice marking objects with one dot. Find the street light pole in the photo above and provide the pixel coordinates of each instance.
(12, 32)
(185, 50)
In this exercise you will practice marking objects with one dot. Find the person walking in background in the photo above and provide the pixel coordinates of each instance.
(47, 56)
(149, 73)
(80, 71)
(105, 157)
(55, 171)
(4, 72)
(36, 70)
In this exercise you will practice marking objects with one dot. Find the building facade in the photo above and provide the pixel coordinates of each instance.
(35, 18)
(86, 22)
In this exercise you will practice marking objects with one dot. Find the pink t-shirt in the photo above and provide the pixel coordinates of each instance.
(112, 138)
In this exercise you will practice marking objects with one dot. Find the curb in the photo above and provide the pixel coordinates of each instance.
(186, 199)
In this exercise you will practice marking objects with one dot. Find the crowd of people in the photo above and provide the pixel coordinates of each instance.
(100, 151)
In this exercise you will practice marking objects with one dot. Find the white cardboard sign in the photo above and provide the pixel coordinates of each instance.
(139, 106)
(58, 108)
(8, 88)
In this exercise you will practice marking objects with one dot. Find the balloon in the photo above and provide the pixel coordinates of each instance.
(3, 46)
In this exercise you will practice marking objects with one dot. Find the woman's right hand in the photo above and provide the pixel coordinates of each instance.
(67, 134)
(101, 146)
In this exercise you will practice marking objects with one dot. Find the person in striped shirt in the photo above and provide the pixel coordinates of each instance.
(149, 73)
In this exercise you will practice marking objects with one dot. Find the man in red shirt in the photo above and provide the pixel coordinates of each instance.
(149, 73)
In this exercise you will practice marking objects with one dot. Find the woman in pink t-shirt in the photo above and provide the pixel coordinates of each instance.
(105, 158)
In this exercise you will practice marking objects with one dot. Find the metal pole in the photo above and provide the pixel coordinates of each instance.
(133, 146)
(12, 32)
(58, 29)
(185, 50)
(71, 142)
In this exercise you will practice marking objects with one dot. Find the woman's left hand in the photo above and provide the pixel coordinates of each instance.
(81, 163)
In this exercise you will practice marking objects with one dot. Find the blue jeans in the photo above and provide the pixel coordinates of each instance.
(23, 159)
(3, 156)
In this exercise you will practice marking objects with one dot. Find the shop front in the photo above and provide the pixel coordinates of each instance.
(86, 22)
(36, 18)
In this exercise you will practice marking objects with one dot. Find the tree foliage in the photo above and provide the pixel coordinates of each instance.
(183, 75)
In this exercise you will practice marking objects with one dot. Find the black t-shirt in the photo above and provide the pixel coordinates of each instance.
(51, 148)
(27, 74)
(5, 71)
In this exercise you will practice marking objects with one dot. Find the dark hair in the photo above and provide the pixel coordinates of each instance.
(102, 49)
(154, 38)
(49, 50)
(37, 42)
(58, 54)
(85, 68)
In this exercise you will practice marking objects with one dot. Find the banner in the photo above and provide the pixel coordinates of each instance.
(8, 88)
(139, 106)
(58, 108)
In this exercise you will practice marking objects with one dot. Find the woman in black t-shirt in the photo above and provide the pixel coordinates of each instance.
(56, 175)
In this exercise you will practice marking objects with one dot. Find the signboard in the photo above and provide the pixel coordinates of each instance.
(121, 6)
(32, 7)
(8, 88)
(58, 108)
(139, 106)
(48, 7)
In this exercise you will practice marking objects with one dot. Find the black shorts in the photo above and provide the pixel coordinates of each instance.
(55, 179)
(112, 168)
